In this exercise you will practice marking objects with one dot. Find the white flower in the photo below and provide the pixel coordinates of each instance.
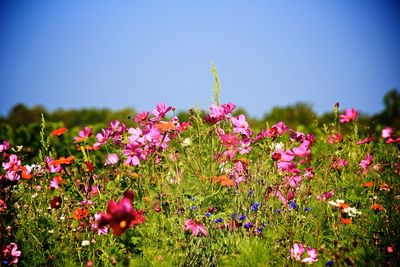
(186, 142)
(85, 243)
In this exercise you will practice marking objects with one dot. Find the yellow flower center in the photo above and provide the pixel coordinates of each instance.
(122, 224)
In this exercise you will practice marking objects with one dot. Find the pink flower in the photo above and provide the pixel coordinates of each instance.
(121, 215)
(4, 146)
(10, 253)
(160, 110)
(339, 164)
(50, 166)
(134, 153)
(297, 251)
(277, 129)
(83, 135)
(112, 159)
(312, 255)
(349, 115)
(366, 140)
(195, 226)
(366, 162)
(141, 118)
(387, 132)
(102, 138)
(335, 138)
(241, 125)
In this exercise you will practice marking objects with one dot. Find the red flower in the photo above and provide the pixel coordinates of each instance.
(59, 131)
(63, 160)
(79, 214)
(121, 215)
(55, 203)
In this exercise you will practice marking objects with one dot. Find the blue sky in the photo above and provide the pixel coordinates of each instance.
(116, 54)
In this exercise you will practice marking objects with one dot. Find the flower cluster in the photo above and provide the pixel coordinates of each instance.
(298, 250)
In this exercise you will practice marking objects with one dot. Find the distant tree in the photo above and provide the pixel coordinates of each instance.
(293, 115)
(20, 115)
(390, 116)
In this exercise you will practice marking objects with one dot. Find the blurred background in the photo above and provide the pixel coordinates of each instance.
(87, 62)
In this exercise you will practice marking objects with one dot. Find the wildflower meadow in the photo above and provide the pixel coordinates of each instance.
(155, 190)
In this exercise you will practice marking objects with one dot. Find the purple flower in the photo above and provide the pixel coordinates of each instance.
(248, 225)
(219, 220)
(242, 217)
(255, 206)
(293, 205)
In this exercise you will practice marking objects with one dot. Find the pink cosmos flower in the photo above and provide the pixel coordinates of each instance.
(141, 118)
(111, 159)
(160, 110)
(387, 132)
(339, 164)
(325, 196)
(50, 166)
(228, 108)
(335, 138)
(54, 183)
(4, 146)
(277, 129)
(297, 251)
(121, 215)
(312, 255)
(366, 140)
(83, 135)
(195, 226)
(366, 162)
(349, 116)
(241, 125)
(10, 253)
(102, 138)
(134, 154)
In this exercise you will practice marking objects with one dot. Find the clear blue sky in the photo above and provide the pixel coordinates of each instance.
(117, 54)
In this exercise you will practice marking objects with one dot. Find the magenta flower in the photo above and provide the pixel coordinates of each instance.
(102, 138)
(349, 116)
(160, 110)
(297, 251)
(141, 118)
(121, 215)
(277, 129)
(387, 132)
(50, 166)
(10, 253)
(366, 162)
(134, 153)
(195, 226)
(241, 125)
(4, 146)
(111, 159)
(312, 255)
(83, 135)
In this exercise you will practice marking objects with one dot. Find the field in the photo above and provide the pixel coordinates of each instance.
(209, 191)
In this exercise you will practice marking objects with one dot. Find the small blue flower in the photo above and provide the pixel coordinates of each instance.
(233, 216)
(193, 207)
(329, 263)
(293, 205)
(250, 192)
(219, 220)
(192, 198)
(248, 225)
(242, 217)
(259, 230)
(306, 209)
(4, 262)
(255, 206)
(278, 211)
(208, 214)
